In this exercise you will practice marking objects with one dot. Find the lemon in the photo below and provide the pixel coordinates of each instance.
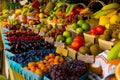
(115, 19)
(104, 20)
(18, 11)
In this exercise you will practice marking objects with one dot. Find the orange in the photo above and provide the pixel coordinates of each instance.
(47, 57)
(51, 55)
(45, 61)
(57, 57)
(31, 64)
(61, 60)
(38, 71)
(40, 64)
(33, 69)
(51, 63)
(114, 62)
(56, 62)
(117, 72)
(51, 60)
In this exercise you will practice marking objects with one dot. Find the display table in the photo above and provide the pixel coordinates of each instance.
(8, 72)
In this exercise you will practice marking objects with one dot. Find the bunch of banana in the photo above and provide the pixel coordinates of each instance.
(114, 52)
(59, 4)
(107, 9)
(69, 9)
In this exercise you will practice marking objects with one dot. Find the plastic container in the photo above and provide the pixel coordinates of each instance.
(105, 45)
(8, 54)
(5, 29)
(29, 75)
(15, 66)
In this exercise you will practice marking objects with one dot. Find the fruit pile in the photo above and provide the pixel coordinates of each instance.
(32, 55)
(43, 66)
(54, 32)
(65, 37)
(71, 71)
(80, 26)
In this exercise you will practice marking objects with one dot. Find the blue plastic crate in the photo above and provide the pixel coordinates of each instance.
(8, 54)
(5, 29)
(15, 66)
(29, 75)
(6, 46)
(6, 41)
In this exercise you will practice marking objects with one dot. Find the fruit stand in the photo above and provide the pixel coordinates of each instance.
(58, 40)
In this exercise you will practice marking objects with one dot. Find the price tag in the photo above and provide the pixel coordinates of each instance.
(62, 51)
(49, 39)
(72, 53)
(86, 58)
(59, 44)
(41, 33)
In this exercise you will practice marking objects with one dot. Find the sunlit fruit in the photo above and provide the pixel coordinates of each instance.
(80, 22)
(79, 30)
(74, 26)
(67, 34)
(85, 26)
(68, 40)
(60, 38)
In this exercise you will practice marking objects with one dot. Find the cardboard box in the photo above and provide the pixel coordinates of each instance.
(89, 38)
(104, 45)
(72, 53)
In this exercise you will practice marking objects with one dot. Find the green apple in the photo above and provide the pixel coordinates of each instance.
(74, 26)
(80, 22)
(67, 34)
(38, 26)
(68, 40)
(86, 26)
(60, 38)
(79, 30)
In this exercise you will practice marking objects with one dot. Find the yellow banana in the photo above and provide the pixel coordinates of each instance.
(111, 14)
(103, 13)
(111, 6)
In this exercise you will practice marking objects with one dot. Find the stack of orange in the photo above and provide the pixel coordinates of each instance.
(44, 65)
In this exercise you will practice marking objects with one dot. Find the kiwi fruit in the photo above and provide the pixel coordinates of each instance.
(95, 49)
(115, 34)
(84, 50)
(104, 37)
(108, 32)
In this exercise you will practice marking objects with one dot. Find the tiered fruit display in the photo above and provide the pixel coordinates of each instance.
(44, 65)
(71, 71)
